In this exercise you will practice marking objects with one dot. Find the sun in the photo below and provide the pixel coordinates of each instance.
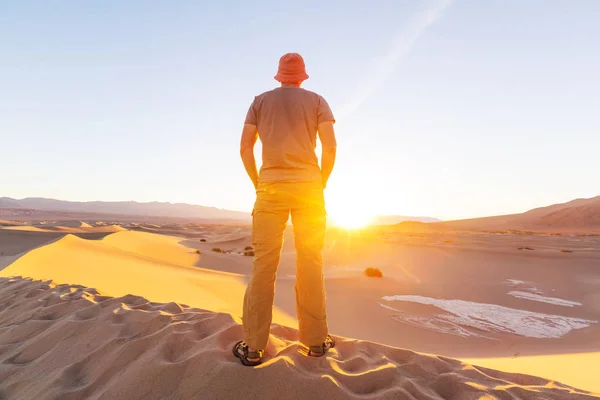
(350, 219)
(349, 209)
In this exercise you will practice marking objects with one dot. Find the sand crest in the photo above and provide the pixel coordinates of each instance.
(65, 227)
(70, 342)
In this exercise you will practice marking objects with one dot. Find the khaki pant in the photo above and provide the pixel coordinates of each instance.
(274, 204)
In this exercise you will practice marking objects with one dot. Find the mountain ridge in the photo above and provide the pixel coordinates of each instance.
(152, 209)
(581, 213)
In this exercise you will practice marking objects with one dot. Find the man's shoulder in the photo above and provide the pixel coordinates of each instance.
(277, 91)
(312, 94)
(260, 97)
(267, 93)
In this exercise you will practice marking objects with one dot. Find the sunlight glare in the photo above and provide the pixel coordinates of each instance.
(350, 218)
(349, 208)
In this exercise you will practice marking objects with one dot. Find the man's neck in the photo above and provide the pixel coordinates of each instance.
(297, 85)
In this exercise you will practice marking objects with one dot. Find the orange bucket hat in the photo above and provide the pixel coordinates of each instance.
(291, 69)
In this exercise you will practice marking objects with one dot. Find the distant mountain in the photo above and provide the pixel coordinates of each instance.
(396, 219)
(7, 202)
(575, 213)
(579, 214)
(156, 209)
(153, 209)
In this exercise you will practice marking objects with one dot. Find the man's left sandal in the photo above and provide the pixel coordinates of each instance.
(240, 350)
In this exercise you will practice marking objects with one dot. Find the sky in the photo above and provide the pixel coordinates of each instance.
(448, 109)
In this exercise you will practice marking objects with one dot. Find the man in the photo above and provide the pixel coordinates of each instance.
(287, 120)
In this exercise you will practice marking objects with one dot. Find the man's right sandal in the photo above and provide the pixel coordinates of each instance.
(319, 351)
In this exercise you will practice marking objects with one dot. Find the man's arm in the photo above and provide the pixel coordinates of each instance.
(249, 137)
(329, 145)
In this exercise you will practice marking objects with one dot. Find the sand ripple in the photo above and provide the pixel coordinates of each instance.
(70, 342)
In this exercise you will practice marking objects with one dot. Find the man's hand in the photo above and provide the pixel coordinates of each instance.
(329, 145)
(249, 137)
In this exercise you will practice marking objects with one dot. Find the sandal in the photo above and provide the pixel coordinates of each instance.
(244, 354)
(319, 351)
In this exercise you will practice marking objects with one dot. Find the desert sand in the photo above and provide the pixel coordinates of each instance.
(70, 342)
(135, 313)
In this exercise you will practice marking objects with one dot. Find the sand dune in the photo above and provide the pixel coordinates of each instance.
(69, 342)
(150, 265)
(17, 240)
(4, 222)
(576, 366)
(438, 298)
(70, 224)
(481, 272)
(66, 227)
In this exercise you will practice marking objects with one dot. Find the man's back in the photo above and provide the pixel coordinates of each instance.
(287, 119)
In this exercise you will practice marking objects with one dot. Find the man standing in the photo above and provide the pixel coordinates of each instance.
(287, 120)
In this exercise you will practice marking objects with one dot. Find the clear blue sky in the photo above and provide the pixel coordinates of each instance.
(449, 109)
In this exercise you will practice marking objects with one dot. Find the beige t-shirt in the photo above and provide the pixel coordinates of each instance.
(287, 119)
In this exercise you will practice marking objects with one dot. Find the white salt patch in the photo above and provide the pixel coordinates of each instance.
(389, 308)
(524, 285)
(550, 300)
(495, 318)
(432, 324)
(439, 325)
